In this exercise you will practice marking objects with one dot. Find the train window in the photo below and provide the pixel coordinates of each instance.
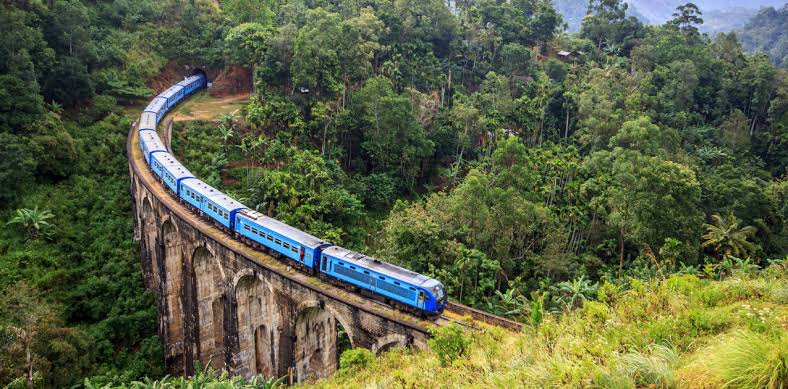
(396, 283)
(246, 227)
(254, 230)
(366, 272)
(294, 249)
(286, 245)
(342, 263)
(352, 267)
(381, 277)
(271, 238)
(277, 241)
(226, 217)
(412, 288)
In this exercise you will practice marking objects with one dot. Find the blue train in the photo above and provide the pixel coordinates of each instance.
(403, 288)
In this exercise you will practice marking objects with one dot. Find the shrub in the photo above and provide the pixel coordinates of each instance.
(356, 358)
(652, 368)
(595, 311)
(745, 359)
(608, 292)
(449, 343)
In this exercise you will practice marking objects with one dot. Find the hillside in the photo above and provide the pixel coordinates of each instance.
(767, 32)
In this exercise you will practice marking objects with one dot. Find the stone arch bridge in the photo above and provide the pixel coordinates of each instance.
(237, 309)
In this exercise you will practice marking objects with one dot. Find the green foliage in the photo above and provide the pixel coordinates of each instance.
(357, 358)
(449, 343)
(745, 359)
(34, 222)
(725, 236)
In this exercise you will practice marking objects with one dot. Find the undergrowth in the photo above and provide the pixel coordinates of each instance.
(684, 331)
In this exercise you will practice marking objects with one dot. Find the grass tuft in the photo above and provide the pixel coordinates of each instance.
(747, 359)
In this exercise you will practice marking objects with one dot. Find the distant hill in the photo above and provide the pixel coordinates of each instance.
(719, 15)
(767, 32)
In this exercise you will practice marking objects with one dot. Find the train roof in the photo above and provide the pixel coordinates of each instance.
(156, 105)
(148, 121)
(215, 195)
(190, 80)
(152, 141)
(171, 91)
(172, 165)
(381, 267)
(284, 229)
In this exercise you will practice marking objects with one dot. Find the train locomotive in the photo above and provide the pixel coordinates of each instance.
(402, 288)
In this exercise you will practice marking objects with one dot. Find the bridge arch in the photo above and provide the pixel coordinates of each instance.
(211, 300)
(259, 325)
(388, 342)
(315, 340)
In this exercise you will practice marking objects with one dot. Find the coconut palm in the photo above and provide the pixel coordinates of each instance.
(727, 238)
(34, 222)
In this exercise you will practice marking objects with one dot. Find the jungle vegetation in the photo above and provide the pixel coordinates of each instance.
(452, 140)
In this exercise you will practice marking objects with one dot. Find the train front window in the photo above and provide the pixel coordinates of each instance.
(437, 291)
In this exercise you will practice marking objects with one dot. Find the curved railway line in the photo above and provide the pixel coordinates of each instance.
(453, 313)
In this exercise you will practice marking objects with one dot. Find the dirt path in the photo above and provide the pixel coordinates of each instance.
(205, 107)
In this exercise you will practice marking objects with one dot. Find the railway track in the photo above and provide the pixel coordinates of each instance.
(484, 317)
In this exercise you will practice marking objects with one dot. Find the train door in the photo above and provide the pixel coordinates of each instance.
(422, 299)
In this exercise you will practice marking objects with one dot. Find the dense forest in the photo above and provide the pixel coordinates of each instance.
(528, 169)
(766, 32)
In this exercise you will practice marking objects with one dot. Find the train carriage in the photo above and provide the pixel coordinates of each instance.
(222, 208)
(192, 83)
(211, 201)
(150, 143)
(291, 242)
(169, 170)
(393, 282)
(148, 121)
(173, 94)
(158, 107)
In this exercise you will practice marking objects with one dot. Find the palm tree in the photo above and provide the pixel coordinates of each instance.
(572, 293)
(725, 236)
(34, 222)
(227, 126)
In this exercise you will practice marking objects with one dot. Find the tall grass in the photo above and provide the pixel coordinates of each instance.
(746, 359)
(651, 369)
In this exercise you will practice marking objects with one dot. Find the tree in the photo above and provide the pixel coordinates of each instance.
(316, 64)
(17, 166)
(608, 26)
(572, 293)
(393, 140)
(26, 317)
(20, 104)
(34, 222)
(726, 237)
(248, 43)
(628, 188)
(686, 18)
